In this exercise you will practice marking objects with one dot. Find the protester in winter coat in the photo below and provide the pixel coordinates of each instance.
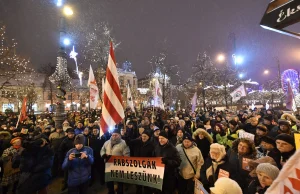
(176, 140)
(226, 186)
(216, 166)
(55, 139)
(254, 163)
(78, 162)
(154, 138)
(35, 165)
(171, 159)
(79, 129)
(268, 148)
(219, 134)
(191, 162)
(98, 166)
(203, 141)
(11, 168)
(65, 146)
(250, 127)
(241, 151)
(261, 131)
(232, 132)
(5, 138)
(286, 146)
(114, 147)
(266, 174)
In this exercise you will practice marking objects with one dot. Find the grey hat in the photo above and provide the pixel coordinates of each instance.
(269, 169)
(79, 139)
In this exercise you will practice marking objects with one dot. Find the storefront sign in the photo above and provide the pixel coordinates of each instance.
(135, 170)
(281, 14)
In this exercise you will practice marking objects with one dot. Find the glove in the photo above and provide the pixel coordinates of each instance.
(164, 160)
(104, 156)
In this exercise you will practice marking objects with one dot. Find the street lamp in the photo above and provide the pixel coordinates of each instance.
(266, 72)
(221, 58)
(179, 104)
(241, 75)
(67, 42)
(68, 11)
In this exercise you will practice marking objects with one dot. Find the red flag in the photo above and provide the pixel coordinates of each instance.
(23, 115)
(112, 108)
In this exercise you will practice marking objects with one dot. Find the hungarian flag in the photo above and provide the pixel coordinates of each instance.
(23, 115)
(112, 108)
(288, 180)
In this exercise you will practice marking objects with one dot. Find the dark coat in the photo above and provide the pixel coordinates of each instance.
(250, 129)
(204, 146)
(79, 169)
(141, 149)
(210, 181)
(64, 147)
(35, 167)
(255, 188)
(96, 144)
(169, 153)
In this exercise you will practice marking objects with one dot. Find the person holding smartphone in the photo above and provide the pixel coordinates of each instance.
(78, 162)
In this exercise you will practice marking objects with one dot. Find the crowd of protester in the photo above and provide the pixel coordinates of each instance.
(202, 145)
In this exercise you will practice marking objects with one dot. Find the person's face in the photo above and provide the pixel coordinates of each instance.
(145, 137)
(130, 126)
(266, 146)
(267, 122)
(95, 132)
(217, 128)
(214, 155)
(284, 128)
(168, 121)
(283, 146)
(254, 122)
(264, 179)
(86, 131)
(71, 135)
(156, 133)
(166, 129)
(78, 146)
(260, 132)
(115, 136)
(201, 136)
(47, 131)
(58, 130)
(232, 127)
(162, 140)
(147, 121)
(179, 133)
(187, 143)
(218, 119)
(243, 148)
(79, 125)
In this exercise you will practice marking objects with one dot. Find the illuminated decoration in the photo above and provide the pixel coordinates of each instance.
(59, 3)
(67, 42)
(291, 76)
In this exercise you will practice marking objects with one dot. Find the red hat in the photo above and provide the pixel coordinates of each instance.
(15, 139)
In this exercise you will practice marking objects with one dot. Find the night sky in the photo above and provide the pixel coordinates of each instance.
(187, 26)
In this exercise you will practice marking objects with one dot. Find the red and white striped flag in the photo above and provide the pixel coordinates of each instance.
(112, 108)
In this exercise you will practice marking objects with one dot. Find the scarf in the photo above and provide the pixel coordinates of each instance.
(116, 141)
(212, 169)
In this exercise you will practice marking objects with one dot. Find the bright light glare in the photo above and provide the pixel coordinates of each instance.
(241, 75)
(59, 3)
(288, 79)
(266, 72)
(221, 58)
(67, 41)
(68, 11)
(239, 60)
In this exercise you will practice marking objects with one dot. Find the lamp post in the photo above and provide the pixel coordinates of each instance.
(61, 77)
(179, 103)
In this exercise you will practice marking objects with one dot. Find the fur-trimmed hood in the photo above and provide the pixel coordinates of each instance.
(6, 135)
(206, 135)
(287, 116)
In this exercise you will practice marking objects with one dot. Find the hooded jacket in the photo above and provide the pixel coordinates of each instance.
(203, 144)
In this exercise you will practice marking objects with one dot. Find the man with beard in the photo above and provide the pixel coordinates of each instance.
(171, 159)
(65, 146)
(114, 147)
(142, 147)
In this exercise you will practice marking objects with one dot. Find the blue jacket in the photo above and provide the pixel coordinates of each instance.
(79, 131)
(79, 169)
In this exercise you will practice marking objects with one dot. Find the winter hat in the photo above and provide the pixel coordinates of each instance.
(15, 139)
(79, 139)
(262, 128)
(254, 163)
(147, 132)
(284, 122)
(269, 169)
(187, 136)
(268, 140)
(156, 128)
(269, 118)
(218, 148)
(226, 186)
(287, 138)
(163, 134)
(117, 131)
(70, 129)
(233, 122)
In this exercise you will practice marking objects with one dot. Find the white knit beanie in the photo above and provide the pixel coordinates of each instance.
(269, 169)
(226, 186)
(218, 148)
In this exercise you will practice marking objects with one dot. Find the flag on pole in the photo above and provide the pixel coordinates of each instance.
(129, 99)
(102, 95)
(94, 91)
(290, 100)
(158, 102)
(238, 93)
(288, 180)
(112, 108)
(194, 102)
(23, 115)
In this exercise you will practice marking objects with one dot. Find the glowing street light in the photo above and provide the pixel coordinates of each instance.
(239, 60)
(241, 75)
(59, 3)
(221, 58)
(68, 11)
(266, 72)
(67, 42)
